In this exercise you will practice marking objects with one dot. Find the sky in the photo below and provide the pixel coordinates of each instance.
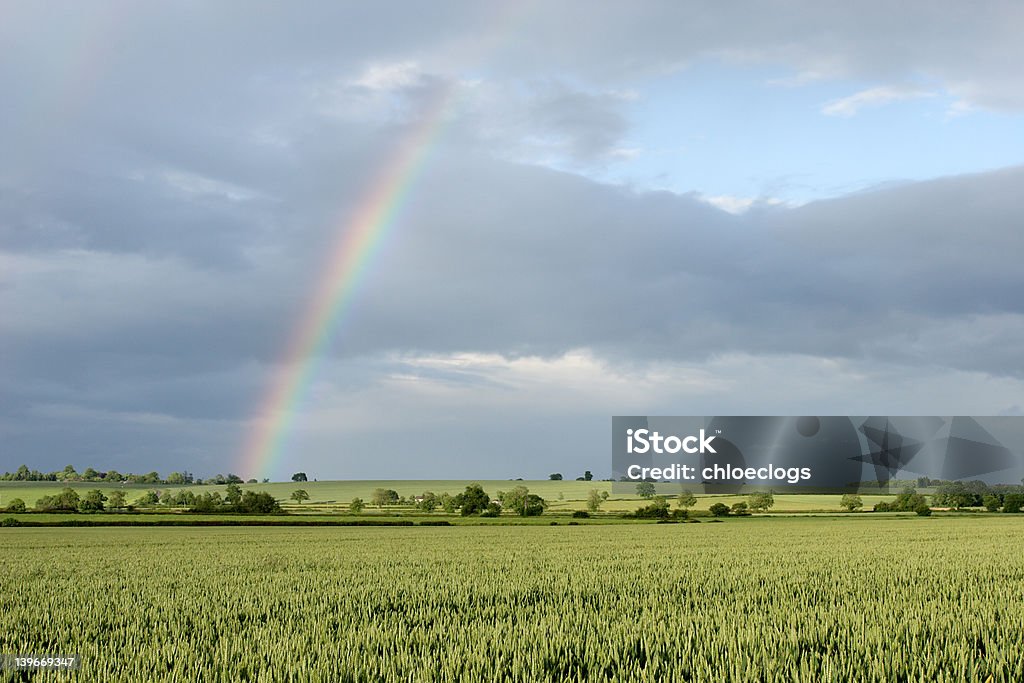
(451, 240)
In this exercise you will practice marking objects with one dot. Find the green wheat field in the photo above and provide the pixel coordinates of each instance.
(758, 599)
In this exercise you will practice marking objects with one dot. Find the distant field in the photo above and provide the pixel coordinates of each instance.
(326, 496)
(860, 597)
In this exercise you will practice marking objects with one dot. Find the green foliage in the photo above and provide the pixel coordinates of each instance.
(580, 514)
(472, 501)
(851, 502)
(740, 509)
(533, 506)
(16, 505)
(686, 500)
(594, 500)
(557, 476)
(233, 494)
(299, 476)
(1013, 502)
(658, 509)
(520, 501)
(10, 521)
(92, 501)
(66, 501)
(956, 495)
(299, 495)
(992, 503)
(492, 510)
(908, 500)
(646, 489)
(719, 509)
(257, 502)
(923, 510)
(760, 501)
(515, 499)
(116, 500)
(382, 497)
(356, 506)
(149, 498)
(428, 502)
(588, 475)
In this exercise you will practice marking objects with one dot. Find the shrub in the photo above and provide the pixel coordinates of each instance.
(719, 509)
(923, 510)
(581, 514)
(10, 521)
(492, 510)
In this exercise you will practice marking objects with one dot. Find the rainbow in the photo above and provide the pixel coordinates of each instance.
(359, 239)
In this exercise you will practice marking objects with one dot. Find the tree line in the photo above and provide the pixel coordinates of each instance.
(472, 501)
(69, 474)
(233, 500)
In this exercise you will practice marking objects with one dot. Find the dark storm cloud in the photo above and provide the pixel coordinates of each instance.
(173, 176)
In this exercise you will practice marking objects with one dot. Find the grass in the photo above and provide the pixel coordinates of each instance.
(860, 597)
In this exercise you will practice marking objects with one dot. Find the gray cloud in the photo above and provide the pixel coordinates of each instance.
(174, 175)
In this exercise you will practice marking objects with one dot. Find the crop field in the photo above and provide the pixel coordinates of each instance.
(771, 599)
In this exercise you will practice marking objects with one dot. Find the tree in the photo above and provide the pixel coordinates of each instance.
(16, 505)
(923, 510)
(473, 500)
(686, 500)
(492, 510)
(258, 502)
(428, 502)
(231, 479)
(956, 495)
(588, 475)
(116, 500)
(300, 495)
(991, 503)
(90, 474)
(658, 509)
(449, 502)
(645, 489)
(233, 494)
(356, 506)
(151, 498)
(557, 476)
(594, 500)
(719, 509)
(740, 508)
(1013, 502)
(68, 474)
(299, 476)
(175, 478)
(533, 506)
(760, 501)
(908, 501)
(851, 501)
(92, 502)
(382, 497)
(515, 499)
(67, 500)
